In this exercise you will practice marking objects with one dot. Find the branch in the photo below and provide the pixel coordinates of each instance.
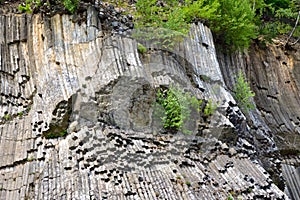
(293, 29)
(296, 41)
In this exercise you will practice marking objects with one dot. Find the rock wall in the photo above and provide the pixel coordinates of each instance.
(62, 77)
(273, 73)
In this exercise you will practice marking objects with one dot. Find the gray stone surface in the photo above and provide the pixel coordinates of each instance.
(110, 151)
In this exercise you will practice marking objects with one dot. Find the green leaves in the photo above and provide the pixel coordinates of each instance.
(177, 107)
(141, 48)
(243, 93)
(209, 108)
(231, 20)
(30, 5)
(234, 25)
(281, 16)
(71, 5)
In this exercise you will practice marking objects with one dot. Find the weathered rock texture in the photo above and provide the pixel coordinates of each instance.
(273, 72)
(57, 74)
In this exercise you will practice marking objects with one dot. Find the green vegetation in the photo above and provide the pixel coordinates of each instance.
(141, 48)
(30, 159)
(71, 5)
(20, 114)
(230, 197)
(243, 93)
(279, 17)
(29, 5)
(234, 23)
(177, 107)
(169, 22)
(210, 108)
(188, 183)
(51, 135)
(7, 117)
(174, 107)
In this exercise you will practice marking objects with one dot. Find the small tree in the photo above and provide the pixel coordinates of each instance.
(177, 107)
(243, 93)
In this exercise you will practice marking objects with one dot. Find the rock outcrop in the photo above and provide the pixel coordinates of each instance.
(77, 120)
(273, 72)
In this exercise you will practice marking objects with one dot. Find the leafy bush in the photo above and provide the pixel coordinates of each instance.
(234, 24)
(51, 135)
(7, 117)
(209, 108)
(230, 197)
(27, 6)
(243, 93)
(231, 20)
(141, 48)
(71, 5)
(177, 107)
(169, 22)
(163, 24)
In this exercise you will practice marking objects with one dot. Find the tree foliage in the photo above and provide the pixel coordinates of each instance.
(243, 93)
(234, 23)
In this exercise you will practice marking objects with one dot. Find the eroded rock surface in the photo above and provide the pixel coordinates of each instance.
(273, 72)
(54, 70)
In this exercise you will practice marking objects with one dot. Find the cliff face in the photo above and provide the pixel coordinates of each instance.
(60, 76)
(274, 74)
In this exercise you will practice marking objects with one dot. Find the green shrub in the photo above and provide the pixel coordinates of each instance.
(234, 24)
(177, 107)
(243, 93)
(230, 197)
(188, 183)
(27, 7)
(20, 114)
(141, 48)
(51, 135)
(71, 5)
(278, 17)
(170, 23)
(231, 20)
(210, 108)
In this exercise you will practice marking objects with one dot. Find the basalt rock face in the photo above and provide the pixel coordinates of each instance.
(273, 72)
(77, 117)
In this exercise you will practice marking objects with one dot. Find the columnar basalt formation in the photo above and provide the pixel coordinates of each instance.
(273, 72)
(95, 91)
